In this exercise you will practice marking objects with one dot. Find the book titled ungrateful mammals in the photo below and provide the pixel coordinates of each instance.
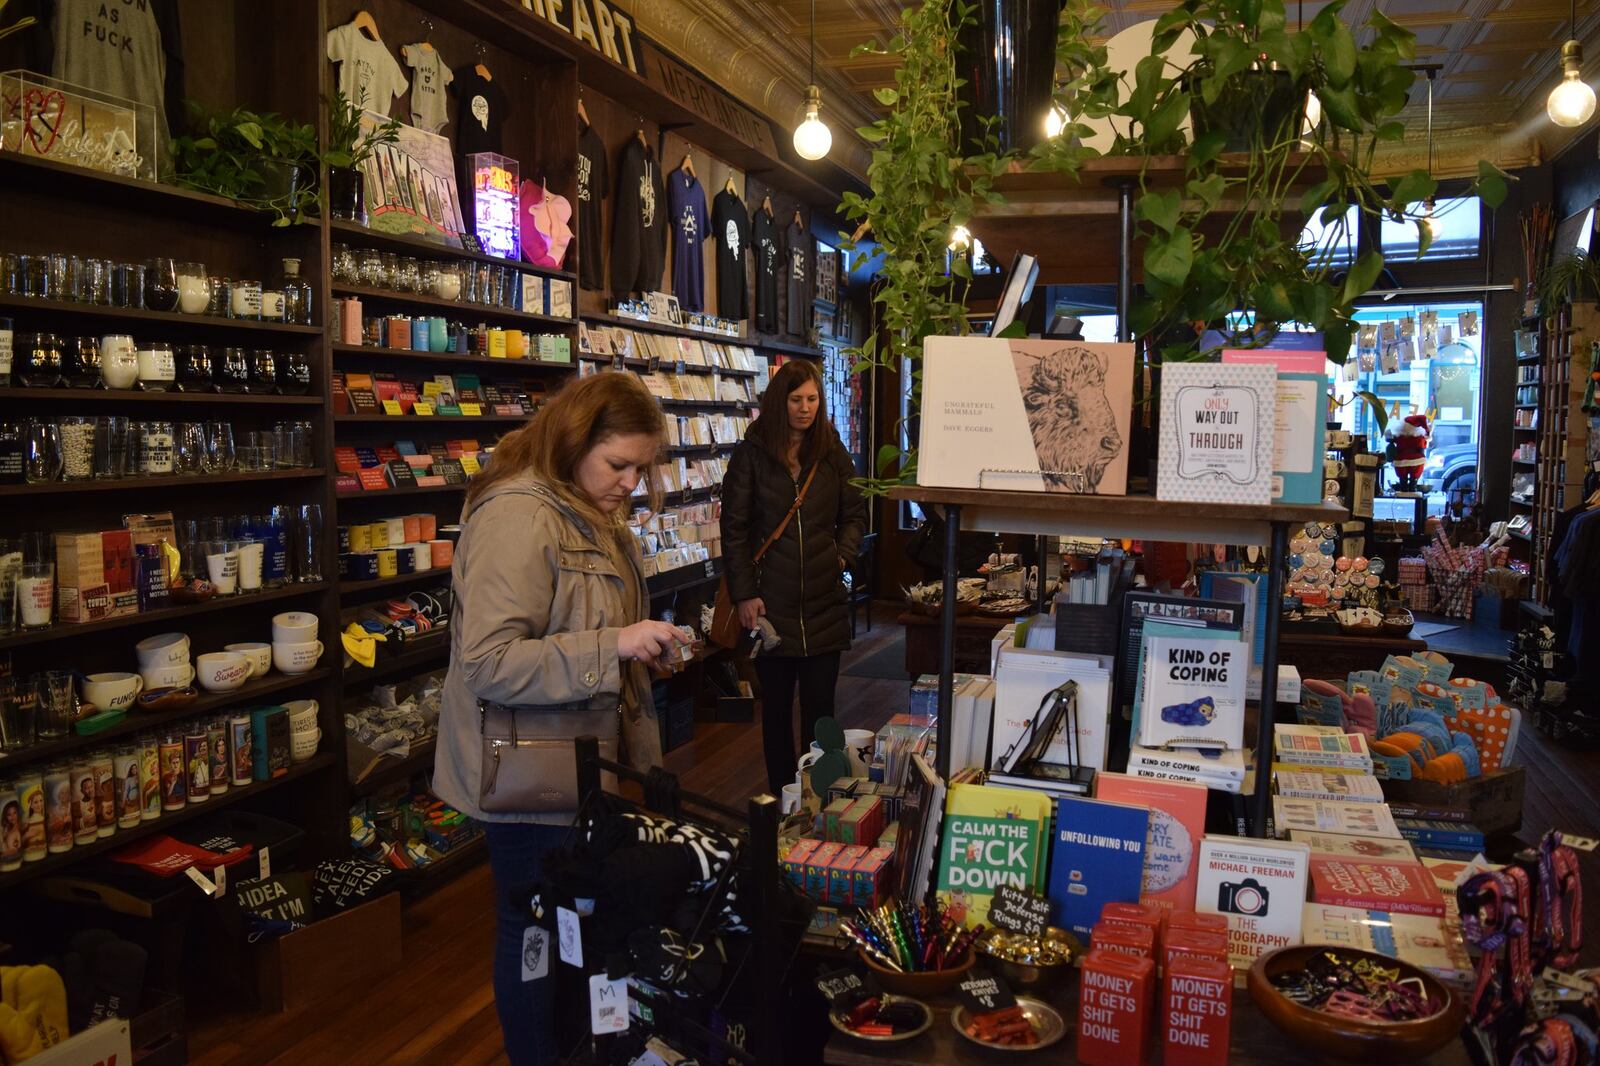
(1026, 415)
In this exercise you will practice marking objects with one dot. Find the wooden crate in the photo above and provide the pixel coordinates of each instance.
(1494, 800)
(314, 963)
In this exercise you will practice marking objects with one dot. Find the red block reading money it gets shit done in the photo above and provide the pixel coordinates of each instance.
(1196, 1015)
(1115, 998)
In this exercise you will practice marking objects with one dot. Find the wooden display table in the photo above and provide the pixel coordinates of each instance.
(1332, 656)
(974, 641)
(1254, 1042)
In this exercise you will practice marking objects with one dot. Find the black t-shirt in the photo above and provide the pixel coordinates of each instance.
(796, 268)
(730, 228)
(592, 181)
(764, 239)
(480, 114)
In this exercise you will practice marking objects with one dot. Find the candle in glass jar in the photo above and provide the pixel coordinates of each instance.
(157, 446)
(194, 288)
(272, 305)
(448, 284)
(36, 594)
(246, 300)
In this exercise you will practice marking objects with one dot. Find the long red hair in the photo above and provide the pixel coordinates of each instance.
(580, 416)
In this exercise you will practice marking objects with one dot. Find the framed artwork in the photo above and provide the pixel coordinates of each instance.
(411, 186)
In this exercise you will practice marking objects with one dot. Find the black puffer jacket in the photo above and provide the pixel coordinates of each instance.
(799, 578)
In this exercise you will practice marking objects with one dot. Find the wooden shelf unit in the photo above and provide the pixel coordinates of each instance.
(1563, 431)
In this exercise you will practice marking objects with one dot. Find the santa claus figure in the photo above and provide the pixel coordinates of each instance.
(1408, 447)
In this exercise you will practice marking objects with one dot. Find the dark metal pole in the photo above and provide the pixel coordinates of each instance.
(1261, 803)
(1124, 260)
(766, 1043)
(947, 636)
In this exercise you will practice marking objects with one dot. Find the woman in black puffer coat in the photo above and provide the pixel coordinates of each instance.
(797, 586)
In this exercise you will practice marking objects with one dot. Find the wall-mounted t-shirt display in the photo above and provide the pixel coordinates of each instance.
(730, 228)
(639, 222)
(764, 239)
(481, 110)
(128, 50)
(797, 244)
(429, 76)
(686, 200)
(368, 74)
(592, 183)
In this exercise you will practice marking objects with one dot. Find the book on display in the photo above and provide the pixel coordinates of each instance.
(1177, 824)
(1096, 857)
(1259, 886)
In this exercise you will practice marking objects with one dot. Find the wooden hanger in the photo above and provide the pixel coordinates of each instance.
(639, 133)
(482, 71)
(798, 221)
(730, 187)
(427, 43)
(766, 205)
(583, 114)
(687, 166)
(365, 23)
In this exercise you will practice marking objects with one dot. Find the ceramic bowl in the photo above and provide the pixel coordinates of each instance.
(836, 1016)
(112, 691)
(223, 671)
(260, 656)
(1048, 1025)
(303, 744)
(294, 627)
(296, 658)
(1354, 1039)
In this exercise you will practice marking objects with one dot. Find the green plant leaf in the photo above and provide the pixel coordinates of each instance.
(1380, 413)
(1339, 53)
(1165, 119)
(1317, 195)
(887, 97)
(888, 455)
(1311, 301)
(1160, 209)
(1414, 186)
(1491, 183)
(1363, 273)
(1148, 76)
(1339, 106)
(1391, 131)
(1207, 147)
(1208, 191)
(1272, 301)
(1168, 257)
(1336, 340)
(1424, 237)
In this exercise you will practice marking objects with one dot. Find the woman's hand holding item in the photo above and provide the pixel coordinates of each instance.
(647, 640)
(749, 611)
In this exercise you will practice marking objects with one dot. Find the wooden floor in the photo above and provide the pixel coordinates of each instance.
(439, 1007)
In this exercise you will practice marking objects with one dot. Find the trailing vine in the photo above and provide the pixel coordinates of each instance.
(923, 187)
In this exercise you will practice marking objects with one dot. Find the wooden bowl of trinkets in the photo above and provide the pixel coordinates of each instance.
(1344, 1003)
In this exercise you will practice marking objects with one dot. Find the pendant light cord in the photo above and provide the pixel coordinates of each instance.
(813, 68)
(1430, 123)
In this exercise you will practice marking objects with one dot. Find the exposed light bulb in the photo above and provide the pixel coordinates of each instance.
(1427, 225)
(960, 239)
(1571, 103)
(1055, 121)
(812, 138)
(1313, 116)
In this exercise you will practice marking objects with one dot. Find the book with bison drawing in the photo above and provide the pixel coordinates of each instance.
(1026, 415)
(1217, 424)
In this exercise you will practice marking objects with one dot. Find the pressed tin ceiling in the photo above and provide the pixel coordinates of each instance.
(1499, 57)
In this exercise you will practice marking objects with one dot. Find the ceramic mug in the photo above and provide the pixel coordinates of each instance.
(294, 627)
(224, 671)
(113, 691)
(857, 746)
(260, 656)
(296, 658)
(159, 677)
(806, 761)
(791, 799)
(303, 744)
(421, 557)
(163, 649)
(302, 715)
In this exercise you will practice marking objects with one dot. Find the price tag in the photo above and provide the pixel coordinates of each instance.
(1019, 911)
(392, 407)
(470, 242)
(981, 992)
(469, 463)
(1581, 843)
(266, 863)
(839, 986)
(420, 408)
(535, 953)
(472, 410)
(570, 937)
(202, 880)
(221, 881)
(608, 1004)
(711, 568)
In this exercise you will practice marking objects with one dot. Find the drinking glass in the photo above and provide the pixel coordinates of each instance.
(304, 445)
(222, 566)
(36, 276)
(13, 273)
(308, 543)
(191, 554)
(157, 444)
(56, 702)
(80, 362)
(192, 457)
(344, 264)
(110, 447)
(221, 297)
(219, 444)
(16, 717)
(36, 594)
(161, 284)
(10, 568)
(410, 275)
(41, 460)
(127, 285)
(77, 447)
(95, 282)
(57, 274)
(370, 264)
(252, 553)
(389, 266)
(38, 546)
(283, 444)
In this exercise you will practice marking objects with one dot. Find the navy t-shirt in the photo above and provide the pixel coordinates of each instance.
(686, 204)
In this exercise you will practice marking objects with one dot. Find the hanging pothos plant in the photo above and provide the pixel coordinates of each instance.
(923, 187)
(1247, 85)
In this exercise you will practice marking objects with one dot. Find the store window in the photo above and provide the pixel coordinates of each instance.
(1444, 385)
(1336, 239)
(1457, 225)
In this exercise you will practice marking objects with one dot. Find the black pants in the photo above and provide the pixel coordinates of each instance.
(816, 676)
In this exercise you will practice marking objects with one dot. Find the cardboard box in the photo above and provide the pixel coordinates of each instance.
(95, 576)
(105, 1044)
(1494, 800)
(314, 964)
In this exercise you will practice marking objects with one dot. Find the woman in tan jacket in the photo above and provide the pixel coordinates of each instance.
(550, 639)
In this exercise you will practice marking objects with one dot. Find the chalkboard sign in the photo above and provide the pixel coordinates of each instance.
(470, 242)
(1018, 911)
(982, 992)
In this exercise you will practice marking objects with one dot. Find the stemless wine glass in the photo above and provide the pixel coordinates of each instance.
(161, 284)
(127, 285)
(344, 264)
(41, 461)
(219, 445)
(192, 454)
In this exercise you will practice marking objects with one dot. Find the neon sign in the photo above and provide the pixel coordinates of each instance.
(496, 220)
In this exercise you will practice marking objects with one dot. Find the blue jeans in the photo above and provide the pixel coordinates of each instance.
(526, 1009)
